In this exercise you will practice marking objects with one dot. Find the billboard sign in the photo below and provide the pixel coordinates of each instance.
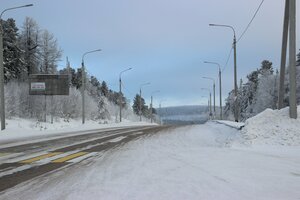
(48, 84)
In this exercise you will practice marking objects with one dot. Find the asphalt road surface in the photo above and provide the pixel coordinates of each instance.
(25, 160)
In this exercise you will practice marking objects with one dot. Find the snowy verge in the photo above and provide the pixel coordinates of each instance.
(24, 129)
(189, 162)
(236, 125)
(273, 127)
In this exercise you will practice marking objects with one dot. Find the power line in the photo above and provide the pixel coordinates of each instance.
(229, 55)
(251, 20)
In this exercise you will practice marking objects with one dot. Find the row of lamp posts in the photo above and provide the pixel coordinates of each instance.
(220, 77)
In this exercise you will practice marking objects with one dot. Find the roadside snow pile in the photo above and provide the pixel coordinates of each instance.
(273, 127)
(21, 129)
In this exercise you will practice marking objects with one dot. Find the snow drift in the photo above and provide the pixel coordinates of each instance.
(272, 127)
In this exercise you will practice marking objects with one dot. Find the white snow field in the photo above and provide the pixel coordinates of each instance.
(210, 161)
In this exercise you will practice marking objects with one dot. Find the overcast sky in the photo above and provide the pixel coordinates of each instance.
(164, 41)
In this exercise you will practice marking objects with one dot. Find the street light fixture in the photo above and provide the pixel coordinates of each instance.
(2, 101)
(141, 98)
(210, 113)
(151, 105)
(120, 98)
(235, 69)
(83, 82)
(220, 85)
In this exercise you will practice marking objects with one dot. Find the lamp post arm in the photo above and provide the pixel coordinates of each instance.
(223, 25)
(28, 5)
(123, 72)
(89, 53)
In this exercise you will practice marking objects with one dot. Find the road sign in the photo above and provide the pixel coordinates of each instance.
(37, 86)
(48, 84)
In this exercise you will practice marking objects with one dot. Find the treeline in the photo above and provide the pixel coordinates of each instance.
(31, 50)
(260, 91)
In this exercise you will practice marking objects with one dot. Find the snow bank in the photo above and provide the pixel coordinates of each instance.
(25, 129)
(273, 127)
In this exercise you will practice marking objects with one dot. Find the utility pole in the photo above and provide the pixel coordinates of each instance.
(82, 90)
(210, 113)
(83, 82)
(292, 59)
(151, 105)
(120, 92)
(69, 72)
(210, 110)
(283, 54)
(236, 117)
(214, 98)
(140, 106)
(220, 85)
(2, 100)
(151, 109)
(2, 107)
(214, 90)
(120, 97)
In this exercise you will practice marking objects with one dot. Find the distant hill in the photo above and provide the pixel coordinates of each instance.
(183, 114)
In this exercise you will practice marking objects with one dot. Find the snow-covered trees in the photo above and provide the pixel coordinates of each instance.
(31, 51)
(257, 94)
(28, 43)
(267, 92)
(11, 51)
(138, 103)
(49, 53)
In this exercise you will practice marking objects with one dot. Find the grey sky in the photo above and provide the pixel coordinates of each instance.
(164, 41)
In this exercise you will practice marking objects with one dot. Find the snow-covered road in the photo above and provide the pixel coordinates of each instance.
(207, 161)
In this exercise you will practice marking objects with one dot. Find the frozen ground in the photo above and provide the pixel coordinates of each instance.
(209, 161)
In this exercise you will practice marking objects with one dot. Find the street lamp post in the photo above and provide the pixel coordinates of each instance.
(140, 106)
(292, 60)
(120, 98)
(214, 90)
(2, 101)
(207, 102)
(160, 112)
(210, 111)
(236, 117)
(220, 85)
(151, 105)
(83, 82)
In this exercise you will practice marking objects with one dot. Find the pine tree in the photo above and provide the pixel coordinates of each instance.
(104, 89)
(11, 52)
(266, 68)
(137, 101)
